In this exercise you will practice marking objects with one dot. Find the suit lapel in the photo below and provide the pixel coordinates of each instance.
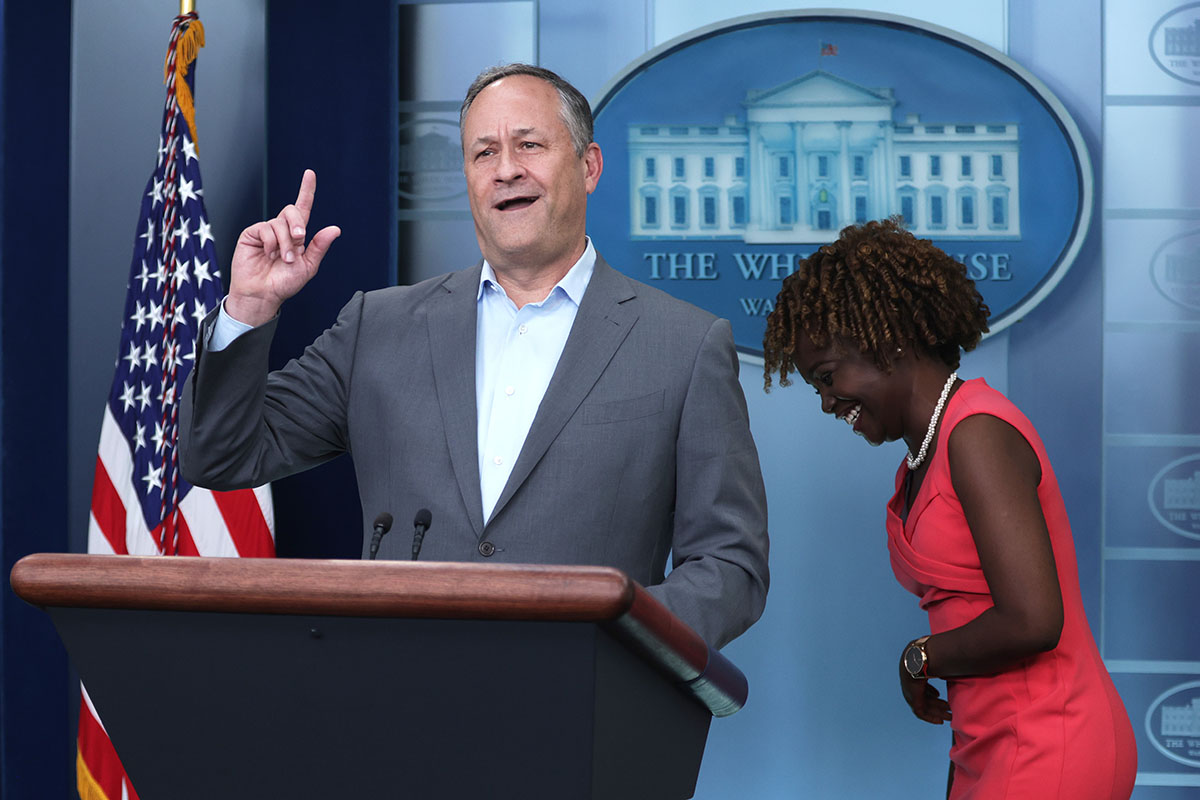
(452, 320)
(603, 321)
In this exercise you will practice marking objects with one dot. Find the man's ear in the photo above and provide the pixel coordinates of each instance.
(593, 161)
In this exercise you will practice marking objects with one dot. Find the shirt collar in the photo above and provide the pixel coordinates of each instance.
(573, 284)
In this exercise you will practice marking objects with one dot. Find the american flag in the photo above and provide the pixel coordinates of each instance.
(140, 503)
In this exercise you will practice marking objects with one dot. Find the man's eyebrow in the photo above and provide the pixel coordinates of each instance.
(489, 139)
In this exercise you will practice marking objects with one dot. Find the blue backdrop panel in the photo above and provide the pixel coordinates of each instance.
(1151, 382)
(1152, 496)
(1161, 623)
(1147, 173)
(1145, 695)
(1146, 792)
(1154, 272)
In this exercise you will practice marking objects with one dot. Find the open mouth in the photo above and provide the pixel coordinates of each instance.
(851, 416)
(515, 203)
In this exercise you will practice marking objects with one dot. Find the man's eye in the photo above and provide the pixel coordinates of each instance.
(826, 378)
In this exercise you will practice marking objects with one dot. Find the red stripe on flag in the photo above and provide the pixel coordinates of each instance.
(108, 509)
(98, 756)
(184, 544)
(247, 527)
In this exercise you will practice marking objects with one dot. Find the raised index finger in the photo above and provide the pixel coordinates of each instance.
(308, 191)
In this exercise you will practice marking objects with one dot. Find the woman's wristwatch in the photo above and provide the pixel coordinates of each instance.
(915, 659)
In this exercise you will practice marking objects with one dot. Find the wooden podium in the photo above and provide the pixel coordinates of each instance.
(262, 678)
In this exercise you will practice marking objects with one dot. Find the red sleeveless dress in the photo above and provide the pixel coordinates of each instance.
(1052, 726)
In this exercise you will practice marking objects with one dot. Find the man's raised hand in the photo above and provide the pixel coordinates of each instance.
(270, 261)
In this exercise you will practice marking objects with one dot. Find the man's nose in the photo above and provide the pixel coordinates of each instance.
(509, 166)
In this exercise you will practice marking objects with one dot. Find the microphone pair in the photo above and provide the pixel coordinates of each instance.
(383, 523)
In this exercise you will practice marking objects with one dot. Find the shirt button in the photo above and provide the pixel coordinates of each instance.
(486, 549)
(508, 390)
(523, 329)
(497, 461)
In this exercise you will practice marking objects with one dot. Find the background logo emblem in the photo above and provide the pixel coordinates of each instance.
(430, 160)
(1173, 723)
(1174, 496)
(1175, 43)
(737, 150)
(1175, 269)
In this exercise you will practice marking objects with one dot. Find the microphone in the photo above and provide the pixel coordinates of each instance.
(421, 524)
(383, 524)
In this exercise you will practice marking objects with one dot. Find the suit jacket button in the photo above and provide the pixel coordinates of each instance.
(486, 549)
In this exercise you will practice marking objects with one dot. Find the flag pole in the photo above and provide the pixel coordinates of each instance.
(186, 7)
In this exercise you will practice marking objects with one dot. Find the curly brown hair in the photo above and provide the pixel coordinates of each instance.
(879, 287)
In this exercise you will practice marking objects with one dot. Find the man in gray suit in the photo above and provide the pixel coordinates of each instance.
(543, 406)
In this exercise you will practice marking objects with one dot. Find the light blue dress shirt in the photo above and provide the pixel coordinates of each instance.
(516, 352)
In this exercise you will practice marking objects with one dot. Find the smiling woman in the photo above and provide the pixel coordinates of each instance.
(977, 529)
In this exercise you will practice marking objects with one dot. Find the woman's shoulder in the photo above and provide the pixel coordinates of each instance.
(975, 396)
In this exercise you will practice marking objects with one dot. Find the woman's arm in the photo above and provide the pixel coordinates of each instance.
(995, 473)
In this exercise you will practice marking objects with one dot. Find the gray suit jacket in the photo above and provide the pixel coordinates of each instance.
(641, 446)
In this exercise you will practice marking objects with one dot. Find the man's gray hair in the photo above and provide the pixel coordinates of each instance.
(573, 106)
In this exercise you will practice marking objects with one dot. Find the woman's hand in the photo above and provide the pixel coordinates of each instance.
(924, 700)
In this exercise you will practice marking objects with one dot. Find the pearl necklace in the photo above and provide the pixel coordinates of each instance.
(916, 461)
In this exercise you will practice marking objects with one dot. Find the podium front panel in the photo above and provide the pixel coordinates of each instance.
(205, 704)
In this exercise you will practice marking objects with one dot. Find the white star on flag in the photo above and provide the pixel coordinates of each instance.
(186, 192)
(153, 479)
(134, 356)
(127, 400)
(204, 232)
(155, 194)
(199, 312)
(139, 316)
(155, 317)
(159, 438)
(149, 357)
(201, 269)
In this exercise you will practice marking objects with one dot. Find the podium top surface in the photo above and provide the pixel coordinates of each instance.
(326, 586)
(430, 590)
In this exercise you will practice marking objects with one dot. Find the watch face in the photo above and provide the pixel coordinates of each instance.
(914, 660)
